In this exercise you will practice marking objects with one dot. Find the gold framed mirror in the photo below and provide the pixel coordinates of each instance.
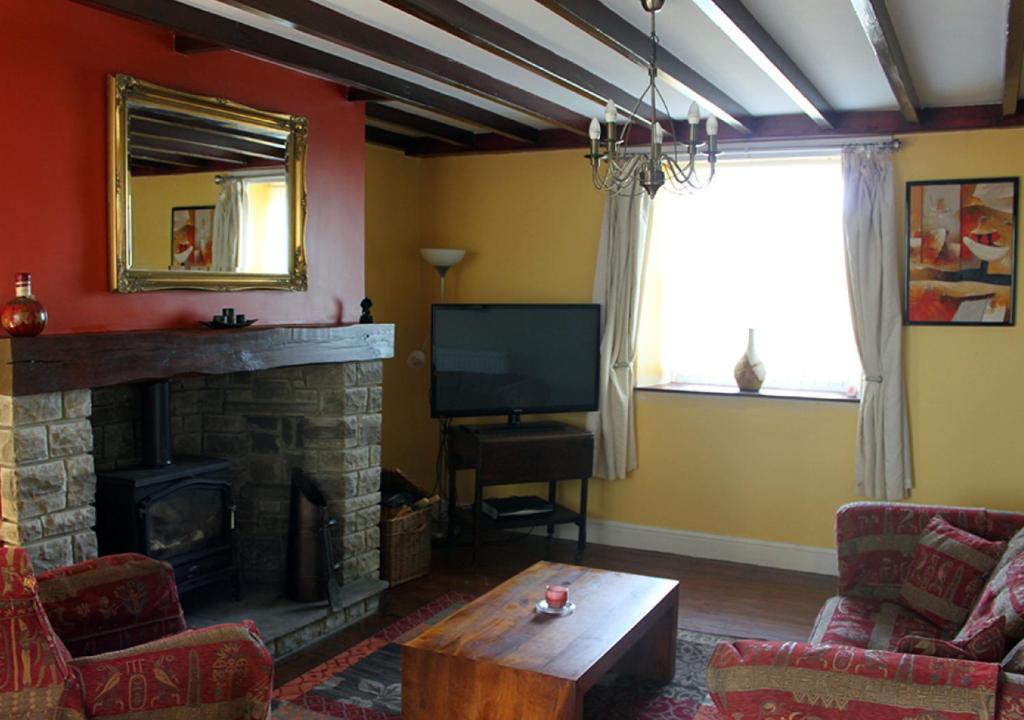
(205, 193)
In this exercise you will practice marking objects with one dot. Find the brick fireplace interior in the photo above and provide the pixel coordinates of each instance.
(280, 414)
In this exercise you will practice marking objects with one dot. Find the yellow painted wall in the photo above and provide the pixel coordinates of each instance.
(153, 196)
(966, 394)
(396, 280)
(758, 468)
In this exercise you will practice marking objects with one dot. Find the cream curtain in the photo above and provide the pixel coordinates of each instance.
(618, 284)
(872, 270)
(227, 225)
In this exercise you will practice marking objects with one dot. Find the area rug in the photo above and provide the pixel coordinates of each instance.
(364, 682)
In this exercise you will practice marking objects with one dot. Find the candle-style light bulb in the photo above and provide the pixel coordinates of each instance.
(610, 111)
(712, 129)
(694, 115)
(595, 142)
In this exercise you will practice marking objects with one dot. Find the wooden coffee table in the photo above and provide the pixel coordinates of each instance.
(498, 659)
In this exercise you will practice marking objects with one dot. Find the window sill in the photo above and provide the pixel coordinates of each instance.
(689, 389)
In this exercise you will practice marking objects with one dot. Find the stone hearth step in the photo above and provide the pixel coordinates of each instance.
(285, 626)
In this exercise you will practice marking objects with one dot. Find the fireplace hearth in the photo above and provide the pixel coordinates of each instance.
(248, 408)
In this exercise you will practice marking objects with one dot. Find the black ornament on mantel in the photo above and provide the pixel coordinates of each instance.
(366, 318)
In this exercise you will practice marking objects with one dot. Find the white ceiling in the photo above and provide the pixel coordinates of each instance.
(954, 49)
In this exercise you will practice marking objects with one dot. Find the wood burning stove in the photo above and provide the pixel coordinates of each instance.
(181, 511)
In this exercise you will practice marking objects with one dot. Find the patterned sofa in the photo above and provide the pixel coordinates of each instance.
(851, 667)
(107, 639)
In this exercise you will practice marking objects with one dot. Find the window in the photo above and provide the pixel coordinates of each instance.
(264, 247)
(761, 247)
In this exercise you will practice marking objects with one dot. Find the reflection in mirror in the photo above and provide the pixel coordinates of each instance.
(213, 193)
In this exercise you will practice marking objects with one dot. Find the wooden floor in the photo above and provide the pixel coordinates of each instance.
(715, 597)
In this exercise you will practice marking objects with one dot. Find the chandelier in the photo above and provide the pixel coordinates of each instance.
(617, 169)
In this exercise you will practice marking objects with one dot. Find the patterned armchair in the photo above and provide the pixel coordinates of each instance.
(851, 667)
(126, 608)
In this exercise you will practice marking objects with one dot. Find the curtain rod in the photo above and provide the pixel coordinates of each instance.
(793, 148)
(250, 174)
(811, 147)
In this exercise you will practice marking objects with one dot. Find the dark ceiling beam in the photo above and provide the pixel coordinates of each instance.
(598, 20)
(379, 136)
(782, 127)
(877, 24)
(743, 29)
(237, 36)
(328, 24)
(357, 95)
(189, 45)
(156, 147)
(1014, 56)
(164, 162)
(267, 138)
(147, 127)
(200, 149)
(422, 125)
(474, 27)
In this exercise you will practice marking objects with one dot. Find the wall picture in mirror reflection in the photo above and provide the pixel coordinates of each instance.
(192, 237)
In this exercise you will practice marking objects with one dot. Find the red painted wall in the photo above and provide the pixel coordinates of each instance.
(55, 56)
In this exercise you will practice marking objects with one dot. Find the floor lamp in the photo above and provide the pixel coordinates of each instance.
(442, 259)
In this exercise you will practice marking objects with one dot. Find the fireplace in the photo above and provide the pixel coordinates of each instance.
(183, 514)
(248, 408)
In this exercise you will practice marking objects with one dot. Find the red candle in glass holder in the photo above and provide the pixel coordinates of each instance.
(556, 596)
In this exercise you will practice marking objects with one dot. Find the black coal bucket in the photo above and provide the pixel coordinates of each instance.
(310, 543)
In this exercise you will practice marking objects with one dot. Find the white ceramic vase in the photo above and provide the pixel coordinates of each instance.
(749, 371)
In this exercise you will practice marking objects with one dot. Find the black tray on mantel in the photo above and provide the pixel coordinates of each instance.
(221, 325)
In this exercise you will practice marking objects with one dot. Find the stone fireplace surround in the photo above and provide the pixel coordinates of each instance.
(269, 399)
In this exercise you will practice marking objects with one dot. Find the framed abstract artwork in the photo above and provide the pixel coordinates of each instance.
(961, 251)
(192, 237)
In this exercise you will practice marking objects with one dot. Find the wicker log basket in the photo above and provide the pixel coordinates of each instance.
(404, 529)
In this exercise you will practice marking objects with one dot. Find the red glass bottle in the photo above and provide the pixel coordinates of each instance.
(23, 316)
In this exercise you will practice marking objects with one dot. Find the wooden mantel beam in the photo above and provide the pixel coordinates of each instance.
(877, 24)
(50, 363)
(747, 34)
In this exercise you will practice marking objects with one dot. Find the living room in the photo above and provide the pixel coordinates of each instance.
(733, 493)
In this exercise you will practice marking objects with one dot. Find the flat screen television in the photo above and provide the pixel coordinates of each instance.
(514, 359)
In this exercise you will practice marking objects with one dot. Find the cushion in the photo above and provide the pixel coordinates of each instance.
(1014, 660)
(986, 644)
(34, 673)
(1014, 547)
(864, 623)
(111, 603)
(948, 573)
(1002, 597)
(933, 647)
(753, 680)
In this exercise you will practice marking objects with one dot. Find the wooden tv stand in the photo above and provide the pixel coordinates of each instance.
(515, 454)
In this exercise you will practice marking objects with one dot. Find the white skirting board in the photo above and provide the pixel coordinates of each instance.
(785, 556)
